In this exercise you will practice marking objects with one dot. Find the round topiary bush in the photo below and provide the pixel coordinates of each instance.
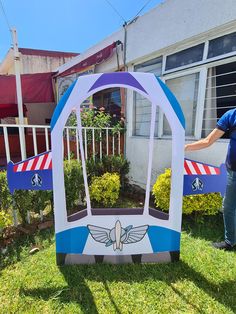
(105, 190)
(206, 204)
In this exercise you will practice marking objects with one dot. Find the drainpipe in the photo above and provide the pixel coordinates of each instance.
(19, 93)
(125, 44)
(125, 90)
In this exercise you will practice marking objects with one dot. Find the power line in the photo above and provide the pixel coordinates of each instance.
(4, 14)
(116, 11)
(144, 6)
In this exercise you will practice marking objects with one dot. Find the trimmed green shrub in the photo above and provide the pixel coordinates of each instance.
(74, 182)
(117, 164)
(113, 164)
(23, 201)
(5, 196)
(41, 199)
(206, 204)
(5, 220)
(105, 190)
(94, 167)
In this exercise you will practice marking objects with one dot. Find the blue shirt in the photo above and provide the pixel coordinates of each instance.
(227, 123)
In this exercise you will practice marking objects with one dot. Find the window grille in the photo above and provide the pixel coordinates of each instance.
(220, 95)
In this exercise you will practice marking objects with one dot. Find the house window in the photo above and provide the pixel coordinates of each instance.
(185, 89)
(142, 106)
(185, 57)
(222, 45)
(110, 100)
(220, 95)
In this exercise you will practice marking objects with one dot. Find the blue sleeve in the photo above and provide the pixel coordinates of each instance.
(223, 124)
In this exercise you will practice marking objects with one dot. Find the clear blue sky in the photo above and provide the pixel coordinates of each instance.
(71, 25)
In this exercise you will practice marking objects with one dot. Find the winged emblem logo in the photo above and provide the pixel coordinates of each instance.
(118, 235)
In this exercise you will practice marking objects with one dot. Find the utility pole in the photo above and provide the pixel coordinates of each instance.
(19, 93)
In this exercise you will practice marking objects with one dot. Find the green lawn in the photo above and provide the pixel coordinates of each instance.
(204, 281)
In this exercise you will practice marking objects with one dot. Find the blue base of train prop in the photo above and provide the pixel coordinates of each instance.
(117, 235)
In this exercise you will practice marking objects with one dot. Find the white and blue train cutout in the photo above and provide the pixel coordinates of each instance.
(116, 235)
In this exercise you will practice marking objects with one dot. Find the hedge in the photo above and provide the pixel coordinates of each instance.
(34, 201)
(206, 204)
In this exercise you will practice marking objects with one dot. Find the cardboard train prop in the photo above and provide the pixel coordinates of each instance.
(117, 235)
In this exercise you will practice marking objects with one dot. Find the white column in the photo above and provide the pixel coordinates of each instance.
(19, 93)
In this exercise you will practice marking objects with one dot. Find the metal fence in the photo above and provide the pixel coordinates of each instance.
(36, 139)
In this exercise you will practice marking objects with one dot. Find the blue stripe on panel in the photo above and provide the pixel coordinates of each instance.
(72, 241)
(60, 106)
(163, 239)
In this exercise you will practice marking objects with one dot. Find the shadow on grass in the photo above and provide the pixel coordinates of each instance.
(210, 228)
(77, 289)
(20, 247)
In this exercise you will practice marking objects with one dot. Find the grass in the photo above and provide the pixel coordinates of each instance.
(204, 281)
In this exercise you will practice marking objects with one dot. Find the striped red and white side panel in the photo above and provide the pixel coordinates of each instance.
(197, 168)
(41, 162)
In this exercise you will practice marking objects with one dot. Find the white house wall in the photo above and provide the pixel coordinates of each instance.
(175, 21)
(171, 26)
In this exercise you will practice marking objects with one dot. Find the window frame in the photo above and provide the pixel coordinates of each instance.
(200, 100)
(182, 50)
(131, 95)
(221, 36)
(200, 67)
(204, 60)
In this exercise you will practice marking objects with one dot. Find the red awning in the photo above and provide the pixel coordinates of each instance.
(36, 88)
(96, 58)
(10, 110)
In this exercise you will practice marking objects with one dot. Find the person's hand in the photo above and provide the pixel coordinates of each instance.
(186, 147)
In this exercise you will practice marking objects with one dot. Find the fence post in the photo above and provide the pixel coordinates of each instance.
(119, 143)
(107, 138)
(46, 139)
(93, 138)
(100, 144)
(35, 142)
(77, 144)
(28, 216)
(14, 214)
(85, 143)
(41, 215)
(68, 143)
(6, 142)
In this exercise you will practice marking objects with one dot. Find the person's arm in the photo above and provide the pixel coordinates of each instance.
(206, 142)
